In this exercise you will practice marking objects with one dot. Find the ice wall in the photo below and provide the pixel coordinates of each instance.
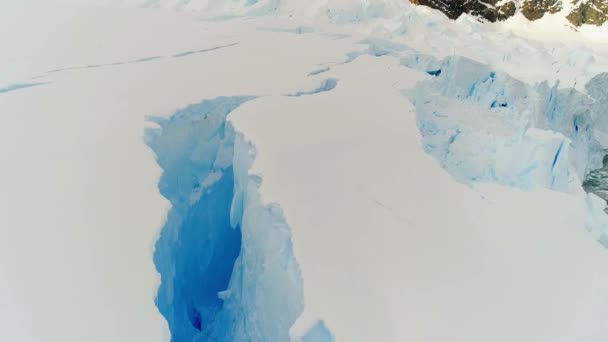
(225, 259)
(483, 125)
(597, 88)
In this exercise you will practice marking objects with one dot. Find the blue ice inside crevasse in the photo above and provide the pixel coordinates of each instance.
(225, 259)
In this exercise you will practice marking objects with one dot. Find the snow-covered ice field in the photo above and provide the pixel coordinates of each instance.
(335, 170)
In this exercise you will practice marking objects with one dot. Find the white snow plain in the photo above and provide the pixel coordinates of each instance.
(390, 246)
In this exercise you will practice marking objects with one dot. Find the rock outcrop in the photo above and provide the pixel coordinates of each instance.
(592, 12)
(583, 12)
(488, 9)
(536, 9)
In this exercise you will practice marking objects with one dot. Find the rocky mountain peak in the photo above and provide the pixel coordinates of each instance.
(581, 12)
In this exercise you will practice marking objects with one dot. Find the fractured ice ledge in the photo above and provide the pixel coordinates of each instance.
(536, 137)
(227, 268)
(483, 125)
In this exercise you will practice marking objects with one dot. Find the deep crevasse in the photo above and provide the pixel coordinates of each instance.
(227, 268)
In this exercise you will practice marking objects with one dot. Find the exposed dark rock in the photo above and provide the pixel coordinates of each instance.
(536, 9)
(487, 9)
(592, 12)
(597, 182)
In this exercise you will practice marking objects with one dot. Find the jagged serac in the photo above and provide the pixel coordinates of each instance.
(582, 12)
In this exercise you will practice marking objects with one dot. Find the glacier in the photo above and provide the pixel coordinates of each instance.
(352, 182)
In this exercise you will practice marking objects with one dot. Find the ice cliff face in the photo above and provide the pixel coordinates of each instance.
(580, 12)
(483, 125)
(597, 180)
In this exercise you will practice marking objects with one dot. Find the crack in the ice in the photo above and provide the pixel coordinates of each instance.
(188, 53)
(145, 59)
(325, 86)
(296, 30)
(318, 71)
(140, 60)
(18, 86)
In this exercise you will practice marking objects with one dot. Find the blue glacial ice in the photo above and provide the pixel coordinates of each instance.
(597, 88)
(483, 125)
(226, 263)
